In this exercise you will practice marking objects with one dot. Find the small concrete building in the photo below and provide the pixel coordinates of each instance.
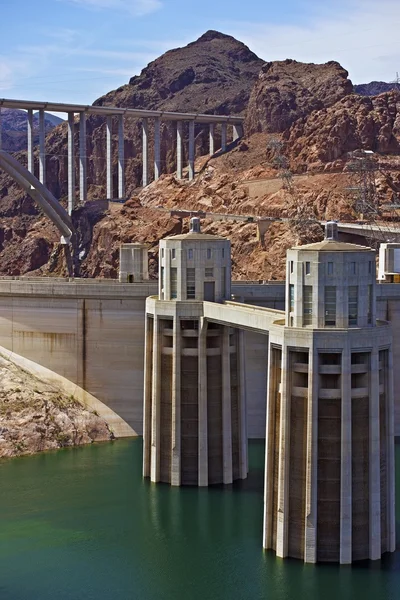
(194, 406)
(133, 263)
(329, 479)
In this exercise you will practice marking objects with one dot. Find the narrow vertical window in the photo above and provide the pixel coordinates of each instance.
(330, 305)
(208, 252)
(190, 284)
(308, 268)
(173, 253)
(307, 305)
(223, 252)
(330, 268)
(162, 284)
(190, 253)
(174, 282)
(162, 252)
(291, 297)
(370, 299)
(223, 279)
(291, 266)
(352, 268)
(353, 305)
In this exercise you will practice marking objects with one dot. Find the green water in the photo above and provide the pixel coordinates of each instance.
(82, 524)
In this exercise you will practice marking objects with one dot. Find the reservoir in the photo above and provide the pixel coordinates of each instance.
(82, 524)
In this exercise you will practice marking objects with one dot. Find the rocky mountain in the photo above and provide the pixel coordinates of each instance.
(14, 128)
(289, 90)
(35, 416)
(374, 88)
(311, 110)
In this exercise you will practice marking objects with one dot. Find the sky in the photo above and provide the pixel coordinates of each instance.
(77, 50)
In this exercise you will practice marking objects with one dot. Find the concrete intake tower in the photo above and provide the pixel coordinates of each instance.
(194, 398)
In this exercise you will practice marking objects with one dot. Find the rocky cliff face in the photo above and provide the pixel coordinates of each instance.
(327, 135)
(13, 124)
(289, 90)
(34, 416)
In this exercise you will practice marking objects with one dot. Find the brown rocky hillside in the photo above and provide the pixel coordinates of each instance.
(310, 108)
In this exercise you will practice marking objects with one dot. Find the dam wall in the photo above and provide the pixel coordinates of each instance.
(92, 333)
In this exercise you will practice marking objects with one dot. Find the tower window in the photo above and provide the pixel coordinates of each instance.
(173, 253)
(308, 268)
(223, 252)
(307, 305)
(353, 305)
(370, 294)
(370, 267)
(223, 279)
(352, 268)
(291, 297)
(173, 282)
(190, 253)
(162, 252)
(191, 284)
(291, 266)
(330, 268)
(209, 272)
(208, 252)
(162, 284)
(330, 305)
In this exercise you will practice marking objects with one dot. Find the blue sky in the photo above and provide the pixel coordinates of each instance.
(77, 50)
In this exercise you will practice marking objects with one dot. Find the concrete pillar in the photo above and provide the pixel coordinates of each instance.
(310, 541)
(71, 164)
(243, 465)
(147, 395)
(42, 151)
(145, 152)
(223, 137)
(346, 506)
(226, 409)
(283, 465)
(390, 453)
(155, 403)
(121, 158)
(374, 461)
(30, 141)
(82, 158)
(203, 436)
(212, 140)
(157, 148)
(109, 157)
(179, 150)
(191, 150)
(272, 386)
(176, 404)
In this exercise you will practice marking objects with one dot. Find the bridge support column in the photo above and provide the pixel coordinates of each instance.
(109, 157)
(191, 150)
(176, 404)
(211, 139)
(82, 158)
(145, 152)
(157, 148)
(30, 141)
(202, 391)
(179, 150)
(223, 137)
(236, 132)
(226, 408)
(121, 158)
(71, 164)
(42, 150)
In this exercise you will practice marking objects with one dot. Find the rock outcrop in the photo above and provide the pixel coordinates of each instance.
(327, 135)
(289, 90)
(34, 416)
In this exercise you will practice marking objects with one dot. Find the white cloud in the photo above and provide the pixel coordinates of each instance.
(360, 34)
(137, 8)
